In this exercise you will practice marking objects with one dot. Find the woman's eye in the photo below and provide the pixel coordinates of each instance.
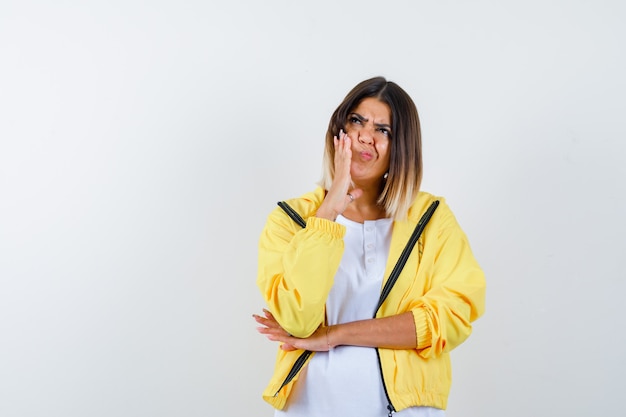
(355, 120)
(384, 132)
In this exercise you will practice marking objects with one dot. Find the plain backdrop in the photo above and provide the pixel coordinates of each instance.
(143, 143)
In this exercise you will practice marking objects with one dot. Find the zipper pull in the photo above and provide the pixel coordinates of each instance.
(390, 408)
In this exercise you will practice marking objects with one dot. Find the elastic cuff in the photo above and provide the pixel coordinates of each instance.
(422, 329)
(323, 225)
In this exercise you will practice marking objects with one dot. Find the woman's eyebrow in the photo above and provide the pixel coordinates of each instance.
(358, 116)
(364, 119)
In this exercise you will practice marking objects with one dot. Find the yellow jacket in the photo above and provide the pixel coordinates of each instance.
(441, 284)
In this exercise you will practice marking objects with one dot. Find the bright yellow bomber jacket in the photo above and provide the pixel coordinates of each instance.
(441, 284)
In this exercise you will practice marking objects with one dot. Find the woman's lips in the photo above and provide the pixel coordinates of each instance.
(366, 156)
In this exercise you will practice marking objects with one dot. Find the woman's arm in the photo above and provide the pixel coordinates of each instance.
(456, 294)
(297, 268)
(393, 332)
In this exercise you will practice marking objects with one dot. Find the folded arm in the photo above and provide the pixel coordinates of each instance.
(393, 332)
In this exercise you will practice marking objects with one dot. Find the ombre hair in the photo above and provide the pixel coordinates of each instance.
(405, 163)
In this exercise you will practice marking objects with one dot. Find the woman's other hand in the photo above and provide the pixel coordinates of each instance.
(317, 342)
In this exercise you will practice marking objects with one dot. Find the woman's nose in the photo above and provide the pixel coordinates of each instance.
(366, 136)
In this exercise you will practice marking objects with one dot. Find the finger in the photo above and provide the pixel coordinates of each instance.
(270, 317)
(277, 337)
(270, 335)
(268, 314)
(266, 323)
(269, 331)
(345, 139)
(341, 138)
(356, 193)
(259, 319)
(338, 139)
(346, 146)
(287, 347)
(274, 330)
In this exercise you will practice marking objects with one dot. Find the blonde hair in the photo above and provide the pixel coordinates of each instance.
(405, 162)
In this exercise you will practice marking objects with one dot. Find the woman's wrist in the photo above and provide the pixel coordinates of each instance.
(327, 214)
(328, 337)
(331, 336)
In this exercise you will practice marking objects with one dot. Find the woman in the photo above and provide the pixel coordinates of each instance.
(322, 282)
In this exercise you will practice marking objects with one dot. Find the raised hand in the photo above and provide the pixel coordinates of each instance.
(340, 193)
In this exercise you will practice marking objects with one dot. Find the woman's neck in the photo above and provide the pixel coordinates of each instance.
(364, 208)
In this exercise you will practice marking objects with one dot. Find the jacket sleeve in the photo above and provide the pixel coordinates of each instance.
(297, 268)
(456, 294)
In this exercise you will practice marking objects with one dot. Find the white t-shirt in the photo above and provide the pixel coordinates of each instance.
(346, 381)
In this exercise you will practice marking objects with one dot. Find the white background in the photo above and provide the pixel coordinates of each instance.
(143, 143)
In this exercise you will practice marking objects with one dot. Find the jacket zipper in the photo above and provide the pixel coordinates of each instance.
(404, 256)
(390, 406)
(299, 363)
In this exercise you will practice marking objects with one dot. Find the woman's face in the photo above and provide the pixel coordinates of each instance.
(369, 128)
